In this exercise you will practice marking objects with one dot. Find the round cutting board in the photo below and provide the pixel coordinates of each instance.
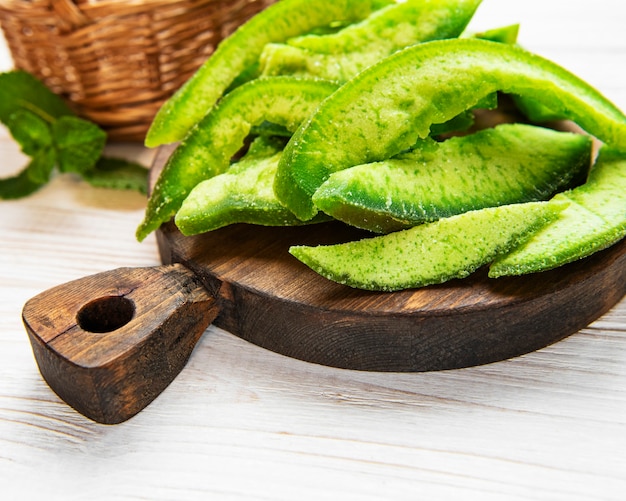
(269, 298)
(110, 343)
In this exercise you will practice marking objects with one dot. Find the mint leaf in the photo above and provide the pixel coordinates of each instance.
(118, 174)
(41, 166)
(30, 131)
(20, 90)
(53, 136)
(79, 144)
(18, 186)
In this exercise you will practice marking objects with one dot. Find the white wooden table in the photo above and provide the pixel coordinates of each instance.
(244, 423)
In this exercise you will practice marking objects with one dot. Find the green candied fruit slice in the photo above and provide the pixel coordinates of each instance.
(242, 194)
(431, 253)
(209, 147)
(340, 56)
(535, 111)
(605, 190)
(395, 24)
(387, 107)
(508, 164)
(594, 220)
(503, 34)
(239, 51)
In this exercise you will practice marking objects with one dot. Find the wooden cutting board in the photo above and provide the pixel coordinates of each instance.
(269, 298)
(110, 343)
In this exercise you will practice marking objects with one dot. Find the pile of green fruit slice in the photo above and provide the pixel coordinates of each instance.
(368, 112)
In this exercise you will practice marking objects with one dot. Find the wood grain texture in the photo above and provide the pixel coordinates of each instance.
(269, 298)
(109, 344)
(241, 422)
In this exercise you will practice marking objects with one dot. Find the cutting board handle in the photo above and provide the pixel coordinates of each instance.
(108, 344)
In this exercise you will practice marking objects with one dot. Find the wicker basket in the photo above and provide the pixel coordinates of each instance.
(116, 61)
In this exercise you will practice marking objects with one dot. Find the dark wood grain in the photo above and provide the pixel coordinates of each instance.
(110, 343)
(269, 298)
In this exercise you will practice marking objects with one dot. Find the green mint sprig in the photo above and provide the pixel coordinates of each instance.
(49, 132)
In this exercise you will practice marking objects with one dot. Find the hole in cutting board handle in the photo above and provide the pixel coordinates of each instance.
(147, 321)
(106, 314)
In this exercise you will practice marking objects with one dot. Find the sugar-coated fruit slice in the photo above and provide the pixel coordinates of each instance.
(594, 220)
(431, 253)
(511, 163)
(242, 194)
